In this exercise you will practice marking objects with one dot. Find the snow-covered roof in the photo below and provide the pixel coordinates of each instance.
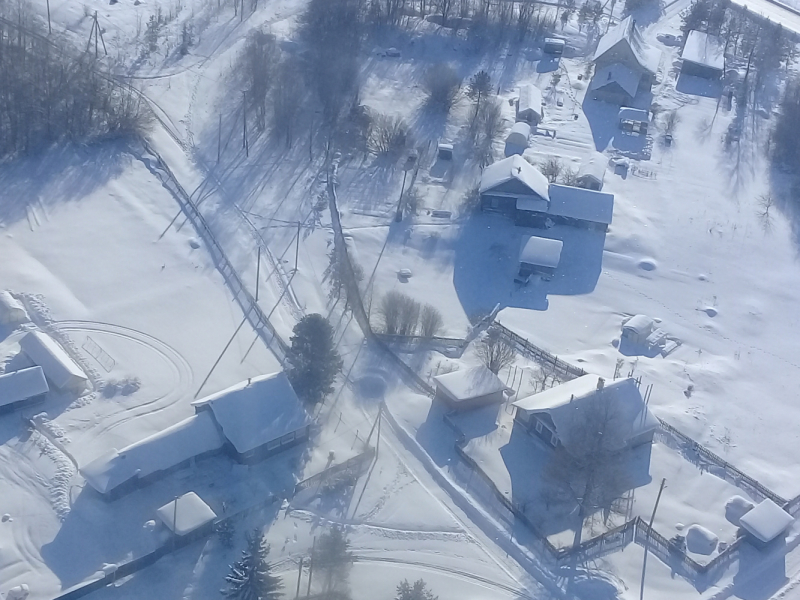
(58, 367)
(186, 514)
(634, 114)
(514, 167)
(625, 32)
(555, 41)
(580, 203)
(11, 309)
(766, 521)
(466, 384)
(257, 411)
(519, 134)
(704, 49)
(624, 77)
(191, 437)
(594, 167)
(565, 403)
(530, 98)
(532, 204)
(639, 324)
(21, 385)
(540, 251)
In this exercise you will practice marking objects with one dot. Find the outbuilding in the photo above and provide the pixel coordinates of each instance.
(517, 139)
(529, 105)
(554, 46)
(637, 329)
(592, 172)
(11, 310)
(22, 388)
(634, 120)
(513, 183)
(579, 207)
(703, 55)
(538, 256)
(258, 417)
(187, 517)
(765, 523)
(469, 388)
(58, 367)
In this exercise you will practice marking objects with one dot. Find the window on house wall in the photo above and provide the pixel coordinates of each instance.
(273, 444)
(538, 426)
(553, 440)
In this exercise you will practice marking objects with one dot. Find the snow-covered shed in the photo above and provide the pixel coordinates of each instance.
(554, 46)
(258, 417)
(11, 310)
(518, 137)
(592, 172)
(539, 255)
(557, 415)
(765, 523)
(637, 329)
(118, 472)
(634, 120)
(529, 105)
(703, 55)
(22, 388)
(469, 388)
(580, 207)
(622, 58)
(57, 365)
(513, 183)
(187, 515)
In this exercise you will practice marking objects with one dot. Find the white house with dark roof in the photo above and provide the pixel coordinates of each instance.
(624, 64)
(554, 415)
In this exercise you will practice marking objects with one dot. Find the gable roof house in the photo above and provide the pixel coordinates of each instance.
(529, 105)
(592, 172)
(624, 64)
(703, 55)
(60, 370)
(469, 388)
(516, 188)
(556, 415)
(22, 388)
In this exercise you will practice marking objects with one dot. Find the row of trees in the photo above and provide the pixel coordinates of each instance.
(50, 92)
(402, 315)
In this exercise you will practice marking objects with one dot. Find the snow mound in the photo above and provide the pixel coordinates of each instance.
(700, 540)
(736, 507)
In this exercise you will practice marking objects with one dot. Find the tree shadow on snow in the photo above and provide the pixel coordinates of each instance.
(487, 260)
(698, 86)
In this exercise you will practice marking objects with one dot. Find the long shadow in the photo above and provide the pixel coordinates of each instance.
(487, 260)
(602, 118)
(698, 86)
(761, 572)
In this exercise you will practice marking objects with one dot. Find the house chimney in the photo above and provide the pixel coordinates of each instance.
(600, 383)
(248, 380)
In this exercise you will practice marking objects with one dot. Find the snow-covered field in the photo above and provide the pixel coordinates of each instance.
(104, 259)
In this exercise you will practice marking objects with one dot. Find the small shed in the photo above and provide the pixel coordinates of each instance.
(637, 329)
(57, 365)
(469, 388)
(634, 120)
(187, 517)
(554, 46)
(592, 172)
(579, 207)
(445, 151)
(538, 256)
(11, 310)
(518, 137)
(22, 388)
(703, 55)
(529, 105)
(765, 523)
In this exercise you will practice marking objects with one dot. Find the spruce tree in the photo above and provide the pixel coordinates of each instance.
(250, 577)
(416, 591)
(313, 360)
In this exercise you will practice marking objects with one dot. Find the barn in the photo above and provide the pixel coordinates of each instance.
(703, 55)
(529, 105)
(554, 414)
(22, 388)
(57, 365)
(258, 417)
(469, 388)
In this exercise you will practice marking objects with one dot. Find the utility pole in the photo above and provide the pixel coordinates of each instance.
(375, 424)
(299, 577)
(244, 124)
(219, 138)
(399, 216)
(49, 28)
(311, 566)
(297, 246)
(258, 271)
(647, 539)
(174, 522)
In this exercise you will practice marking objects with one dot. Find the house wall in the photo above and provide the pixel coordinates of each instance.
(643, 438)
(273, 447)
(537, 426)
(499, 204)
(690, 68)
(528, 269)
(21, 404)
(589, 182)
(527, 218)
(476, 402)
(529, 116)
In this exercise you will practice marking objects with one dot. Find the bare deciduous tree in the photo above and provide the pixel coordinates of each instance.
(390, 136)
(400, 313)
(430, 321)
(258, 64)
(287, 94)
(569, 176)
(442, 84)
(552, 168)
(494, 352)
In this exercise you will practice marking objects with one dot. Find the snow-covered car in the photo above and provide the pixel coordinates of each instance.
(670, 39)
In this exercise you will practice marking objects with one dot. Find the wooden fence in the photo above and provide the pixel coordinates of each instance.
(562, 369)
(352, 467)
